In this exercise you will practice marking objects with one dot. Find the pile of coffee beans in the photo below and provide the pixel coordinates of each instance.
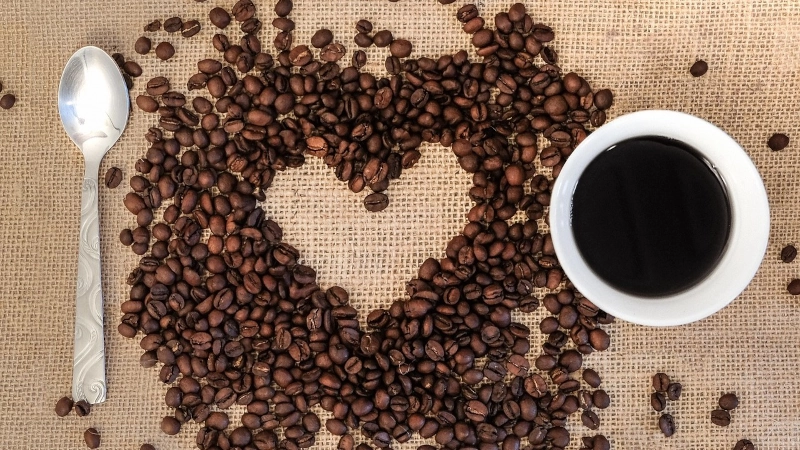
(722, 416)
(233, 317)
(664, 389)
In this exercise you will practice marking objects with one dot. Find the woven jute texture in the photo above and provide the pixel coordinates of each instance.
(641, 49)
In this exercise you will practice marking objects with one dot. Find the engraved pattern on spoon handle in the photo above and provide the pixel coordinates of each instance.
(89, 370)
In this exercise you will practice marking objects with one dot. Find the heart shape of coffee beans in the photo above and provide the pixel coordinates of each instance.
(233, 316)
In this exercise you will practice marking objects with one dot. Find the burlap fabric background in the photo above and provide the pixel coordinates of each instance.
(640, 49)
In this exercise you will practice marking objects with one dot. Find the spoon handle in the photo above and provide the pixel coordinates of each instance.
(89, 370)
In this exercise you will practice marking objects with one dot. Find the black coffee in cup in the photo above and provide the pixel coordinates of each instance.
(650, 216)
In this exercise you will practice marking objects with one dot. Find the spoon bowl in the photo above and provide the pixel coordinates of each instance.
(93, 104)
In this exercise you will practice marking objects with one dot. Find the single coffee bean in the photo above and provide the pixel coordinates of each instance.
(142, 45)
(667, 425)
(376, 202)
(7, 101)
(190, 28)
(744, 444)
(153, 26)
(113, 177)
(322, 38)
(794, 287)
(82, 408)
(778, 141)
(362, 40)
(170, 425)
(720, 417)
(591, 378)
(603, 99)
(383, 38)
(590, 419)
(660, 382)
(92, 438)
(788, 253)
(601, 399)
(699, 68)
(674, 391)
(729, 401)
(476, 411)
(132, 68)
(63, 406)
(165, 51)
(173, 24)
(147, 447)
(400, 48)
(283, 8)
(658, 401)
(219, 17)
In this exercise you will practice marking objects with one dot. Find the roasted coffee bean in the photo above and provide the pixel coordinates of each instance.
(778, 141)
(82, 408)
(170, 425)
(190, 28)
(788, 253)
(165, 51)
(720, 417)
(376, 202)
(92, 438)
(63, 406)
(666, 424)
(142, 45)
(173, 24)
(674, 391)
(660, 382)
(113, 177)
(591, 378)
(590, 419)
(794, 287)
(658, 401)
(322, 38)
(699, 68)
(219, 17)
(744, 444)
(7, 101)
(153, 26)
(728, 401)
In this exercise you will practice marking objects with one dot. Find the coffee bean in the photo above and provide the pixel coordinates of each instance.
(364, 26)
(7, 101)
(147, 447)
(729, 401)
(383, 38)
(142, 45)
(778, 141)
(92, 438)
(165, 51)
(153, 26)
(788, 253)
(666, 424)
(603, 99)
(590, 420)
(362, 40)
(170, 425)
(699, 68)
(476, 411)
(132, 68)
(322, 38)
(283, 8)
(376, 202)
(82, 408)
(173, 24)
(794, 287)
(190, 28)
(674, 391)
(601, 399)
(658, 401)
(720, 417)
(113, 177)
(63, 406)
(400, 48)
(591, 378)
(744, 444)
(660, 382)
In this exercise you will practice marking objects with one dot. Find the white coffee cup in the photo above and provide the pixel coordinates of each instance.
(749, 225)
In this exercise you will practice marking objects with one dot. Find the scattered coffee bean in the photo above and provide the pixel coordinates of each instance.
(190, 28)
(147, 447)
(778, 141)
(219, 17)
(666, 424)
(591, 378)
(92, 438)
(400, 48)
(699, 68)
(165, 51)
(674, 391)
(794, 287)
(660, 382)
(113, 177)
(7, 101)
(720, 417)
(132, 68)
(376, 202)
(82, 408)
(283, 8)
(362, 40)
(170, 425)
(153, 26)
(788, 253)
(744, 444)
(658, 401)
(63, 406)
(383, 38)
(322, 38)
(173, 24)
(142, 45)
(364, 26)
(590, 419)
(729, 401)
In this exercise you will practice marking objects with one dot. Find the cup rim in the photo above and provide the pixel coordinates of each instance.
(748, 236)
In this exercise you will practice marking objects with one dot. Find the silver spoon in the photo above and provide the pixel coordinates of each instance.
(93, 104)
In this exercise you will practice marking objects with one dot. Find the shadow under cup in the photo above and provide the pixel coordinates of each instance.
(653, 299)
